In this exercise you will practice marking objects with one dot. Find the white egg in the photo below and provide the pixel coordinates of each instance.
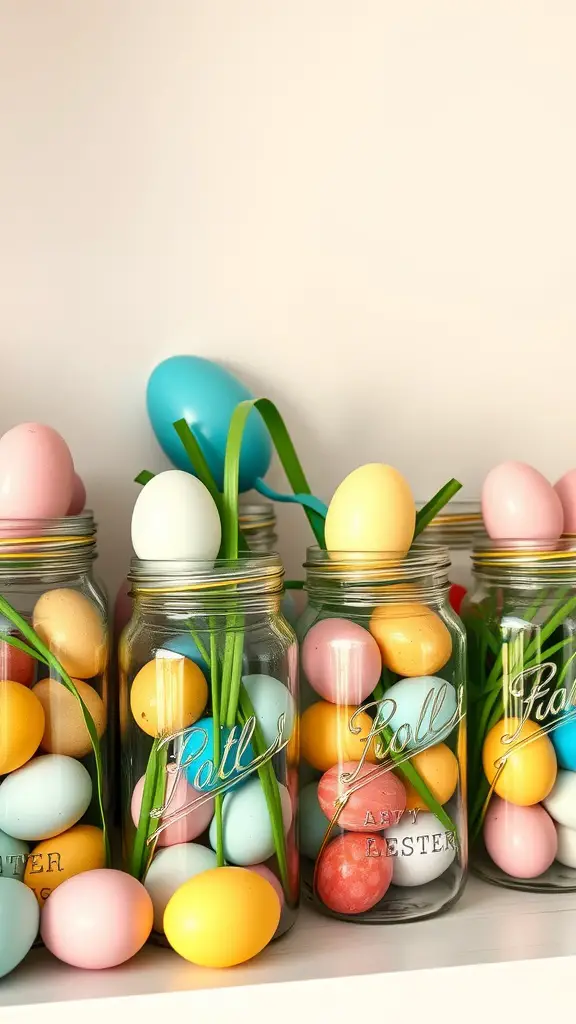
(175, 517)
(566, 853)
(171, 867)
(561, 802)
(271, 699)
(43, 798)
(423, 849)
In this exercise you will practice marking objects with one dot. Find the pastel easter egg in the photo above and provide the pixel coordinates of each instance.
(326, 735)
(222, 917)
(16, 664)
(73, 629)
(566, 852)
(437, 766)
(175, 517)
(46, 796)
(98, 919)
(65, 731)
(204, 770)
(13, 854)
(52, 861)
(564, 741)
(520, 840)
(561, 801)
(420, 850)
(421, 712)
(264, 871)
(179, 795)
(21, 725)
(188, 648)
(313, 822)
(341, 661)
(168, 695)
(375, 800)
(246, 824)
(566, 490)
(519, 503)
(271, 700)
(355, 521)
(19, 918)
(36, 473)
(529, 771)
(413, 640)
(170, 868)
(354, 873)
(78, 500)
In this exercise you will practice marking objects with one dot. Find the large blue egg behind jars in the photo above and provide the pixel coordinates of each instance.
(205, 395)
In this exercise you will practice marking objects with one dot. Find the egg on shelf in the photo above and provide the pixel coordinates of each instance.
(65, 731)
(36, 473)
(46, 796)
(326, 737)
(420, 710)
(270, 699)
(19, 918)
(50, 863)
(412, 639)
(529, 771)
(21, 725)
(175, 517)
(372, 509)
(420, 850)
(246, 824)
(519, 503)
(168, 694)
(370, 798)
(521, 840)
(73, 629)
(354, 873)
(179, 795)
(170, 868)
(341, 661)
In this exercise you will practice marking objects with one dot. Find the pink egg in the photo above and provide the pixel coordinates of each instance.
(36, 473)
(566, 491)
(122, 608)
(78, 497)
(521, 841)
(518, 503)
(265, 872)
(97, 919)
(377, 804)
(178, 795)
(341, 661)
(354, 873)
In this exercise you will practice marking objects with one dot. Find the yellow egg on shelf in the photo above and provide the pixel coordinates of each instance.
(329, 737)
(65, 731)
(520, 760)
(73, 629)
(53, 861)
(21, 725)
(413, 639)
(438, 768)
(168, 694)
(371, 510)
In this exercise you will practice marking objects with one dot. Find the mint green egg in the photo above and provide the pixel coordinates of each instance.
(13, 854)
(313, 822)
(19, 920)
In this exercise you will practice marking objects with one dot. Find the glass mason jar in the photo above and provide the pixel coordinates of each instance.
(521, 625)
(209, 727)
(456, 527)
(382, 801)
(258, 524)
(51, 779)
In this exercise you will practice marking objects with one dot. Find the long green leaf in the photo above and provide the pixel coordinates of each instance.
(433, 507)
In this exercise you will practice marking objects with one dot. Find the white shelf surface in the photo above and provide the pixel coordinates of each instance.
(497, 955)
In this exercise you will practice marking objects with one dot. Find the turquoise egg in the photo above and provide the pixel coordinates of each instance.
(246, 825)
(198, 756)
(270, 699)
(313, 821)
(13, 854)
(188, 648)
(19, 920)
(564, 742)
(205, 395)
(425, 709)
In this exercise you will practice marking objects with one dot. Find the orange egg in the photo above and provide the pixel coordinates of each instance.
(413, 639)
(73, 629)
(21, 725)
(52, 861)
(528, 772)
(437, 766)
(65, 730)
(168, 695)
(326, 736)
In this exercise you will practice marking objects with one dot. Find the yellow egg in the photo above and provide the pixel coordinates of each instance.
(438, 768)
(168, 695)
(21, 725)
(55, 860)
(65, 730)
(326, 736)
(412, 638)
(73, 629)
(222, 917)
(529, 771)
(371, 510)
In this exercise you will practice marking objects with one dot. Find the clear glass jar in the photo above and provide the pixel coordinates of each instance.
(521, 625)
(382, 737)
(220, 744)
(53, 780)
(456, 527)
(258, 524)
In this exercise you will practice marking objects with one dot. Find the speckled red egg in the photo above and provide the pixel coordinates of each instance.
(377, 798)
(354, 873)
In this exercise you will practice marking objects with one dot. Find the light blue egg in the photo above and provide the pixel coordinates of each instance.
(246, 825)
(205, 395)
(13, 854)
(425, 719)
(564, 741)
(19, 920)
(271, 699)
(198, 756)
(313, 822)
(188, 648)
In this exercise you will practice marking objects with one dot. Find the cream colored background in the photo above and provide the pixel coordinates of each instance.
(365, 207)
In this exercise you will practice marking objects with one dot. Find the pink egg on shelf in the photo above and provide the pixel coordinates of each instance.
(265, 872)
(122, 608)
(521, 841)
(377, 798)
(354, 873)
(519, 503)
(97, 919)
(566, 491)
(36, 473)
(178, 795)
(78, 497)
(341, 661)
